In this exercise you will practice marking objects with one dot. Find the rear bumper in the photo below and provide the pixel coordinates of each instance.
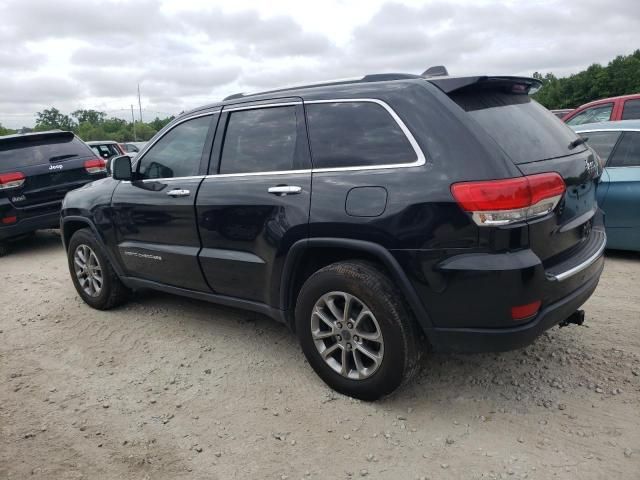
(31, 224)
(503, 339)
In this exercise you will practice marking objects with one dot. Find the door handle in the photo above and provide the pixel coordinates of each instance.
(282, 190)
(178, 192)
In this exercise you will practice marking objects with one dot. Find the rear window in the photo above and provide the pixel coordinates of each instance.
(524, 129)
(39, 150)
(106, 150)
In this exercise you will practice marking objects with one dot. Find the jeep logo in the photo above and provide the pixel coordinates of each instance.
(55, 167)
(591, 165)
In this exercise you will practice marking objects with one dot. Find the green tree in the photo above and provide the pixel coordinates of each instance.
(90, 116)
(5, 131)
(145, 131)
(51, 118)
(159, 123)
(620, 77)
(88, 131)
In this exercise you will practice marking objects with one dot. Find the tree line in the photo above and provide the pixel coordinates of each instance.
(94, 125)
(621, 76)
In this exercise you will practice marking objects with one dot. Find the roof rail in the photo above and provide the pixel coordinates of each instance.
(384, 77)
(375, 77)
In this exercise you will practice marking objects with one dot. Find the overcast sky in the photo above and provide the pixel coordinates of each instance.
(75, 54)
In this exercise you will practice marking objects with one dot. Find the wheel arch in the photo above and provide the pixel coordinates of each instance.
(71, 224)
(309, 255)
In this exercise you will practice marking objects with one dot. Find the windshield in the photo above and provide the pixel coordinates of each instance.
(524, 129)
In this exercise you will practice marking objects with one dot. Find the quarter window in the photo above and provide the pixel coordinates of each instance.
(353, 134)
(627, 152)
(260, 140)
(631, 110)
(178, 153)
(602, 142)
(601, 113)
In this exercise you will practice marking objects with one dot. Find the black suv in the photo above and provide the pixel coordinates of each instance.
(378, 218)
(36, 171)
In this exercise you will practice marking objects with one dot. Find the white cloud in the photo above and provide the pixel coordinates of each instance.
(184, 53)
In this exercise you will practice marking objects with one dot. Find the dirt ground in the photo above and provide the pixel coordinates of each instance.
(167, 388)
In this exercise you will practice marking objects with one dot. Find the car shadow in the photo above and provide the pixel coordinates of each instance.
(41, 241)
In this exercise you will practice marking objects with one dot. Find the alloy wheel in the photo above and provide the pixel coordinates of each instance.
(88, 270)
(347, 335)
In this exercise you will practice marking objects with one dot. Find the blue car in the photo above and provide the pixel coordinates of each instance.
(618, 144)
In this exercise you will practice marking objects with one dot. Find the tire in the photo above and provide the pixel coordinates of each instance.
(399, 350)
(112, 291)
(4, 249)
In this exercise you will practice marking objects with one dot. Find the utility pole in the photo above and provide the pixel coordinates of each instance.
(139, 103)
(133, 119)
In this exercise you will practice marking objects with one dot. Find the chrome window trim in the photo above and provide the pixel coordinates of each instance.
(257, 174)
(167, 179)
(420, 157)
(257, 106)
(600, 130)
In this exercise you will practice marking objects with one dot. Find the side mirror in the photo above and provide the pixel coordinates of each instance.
(121, 167)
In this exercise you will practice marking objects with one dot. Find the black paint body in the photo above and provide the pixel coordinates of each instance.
(234, 243)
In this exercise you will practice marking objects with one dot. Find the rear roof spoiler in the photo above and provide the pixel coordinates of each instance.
(26, 138)
(512, 84)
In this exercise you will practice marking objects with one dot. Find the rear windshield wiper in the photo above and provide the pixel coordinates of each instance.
(578, 141)
(58, 158)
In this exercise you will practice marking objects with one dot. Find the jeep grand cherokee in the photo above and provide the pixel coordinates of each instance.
(36, 171)
(379, 218)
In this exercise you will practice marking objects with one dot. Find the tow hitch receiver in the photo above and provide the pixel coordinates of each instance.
(576, 317)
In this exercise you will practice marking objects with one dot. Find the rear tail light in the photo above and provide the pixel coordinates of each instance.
(525, 311)
(500, 202)
(11, 180)
(9, 220)
(95, 165)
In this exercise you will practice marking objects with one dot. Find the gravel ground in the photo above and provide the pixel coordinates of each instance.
(167, 388)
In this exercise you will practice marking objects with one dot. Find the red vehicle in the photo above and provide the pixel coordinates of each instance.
(625, 107)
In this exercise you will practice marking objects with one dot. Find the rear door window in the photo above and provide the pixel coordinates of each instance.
(602, 142)
(600, 113)
(524, 129)
(41, 150)
(261, 140)
(627, 153)
(631, 110)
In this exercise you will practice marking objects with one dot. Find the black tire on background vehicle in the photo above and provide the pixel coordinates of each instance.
(93, 276)
(372, 349)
